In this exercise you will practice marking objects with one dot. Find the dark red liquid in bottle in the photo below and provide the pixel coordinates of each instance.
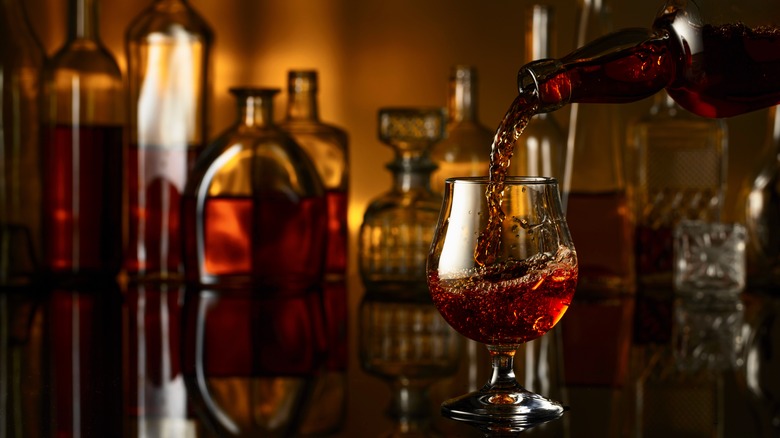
(82, 199)
(156, 178)
(273, 243)
(336, 258)
(712, 71)
(83, 337)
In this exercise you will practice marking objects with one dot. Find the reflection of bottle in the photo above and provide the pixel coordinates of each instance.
(398, 226)
(680, 172)
(82, 152)
(255, 245)
(168, 53)
(21, 63)
(84, 348)
(597, 191)
(541, 150)
(156, 397)
(761, 196)
(465, 151)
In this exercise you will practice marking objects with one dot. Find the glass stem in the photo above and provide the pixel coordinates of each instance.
(503, 378)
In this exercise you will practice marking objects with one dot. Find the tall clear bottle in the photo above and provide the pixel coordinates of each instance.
(82, 152)
(465, 150)
(168, 52)
(21, 65)
(327, 145)
(595, 182)
(541, 150)
(398, 225)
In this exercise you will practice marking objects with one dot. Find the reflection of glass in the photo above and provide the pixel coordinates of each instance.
(680, 387)
(709, 259)
(398, 226)
(250, 360)
(84, 352)
(82, 152)
(156, 396)
(167, 54)
(508, 294)
(408, 344)
(21, 63)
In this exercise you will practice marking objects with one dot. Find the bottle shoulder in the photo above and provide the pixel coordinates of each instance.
(176, 20)
(83, 57)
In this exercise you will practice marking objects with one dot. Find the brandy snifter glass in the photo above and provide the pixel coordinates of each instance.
(502, 271)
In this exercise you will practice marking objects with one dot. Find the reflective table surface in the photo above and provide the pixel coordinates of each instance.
(160, 360)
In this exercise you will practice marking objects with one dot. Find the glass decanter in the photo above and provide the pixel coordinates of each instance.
(398, 226)
(466, 147)
(679, 170)
(82, 152)
(21, 64)
(255, 244)
(168, 52)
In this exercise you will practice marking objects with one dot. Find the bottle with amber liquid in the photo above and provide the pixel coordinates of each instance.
(465, 149)
(255, 233)
(327, 145)
(168, 52)
(21, 65)
(82, 153)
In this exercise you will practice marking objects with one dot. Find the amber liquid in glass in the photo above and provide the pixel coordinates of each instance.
(154, 231)
(82, 199)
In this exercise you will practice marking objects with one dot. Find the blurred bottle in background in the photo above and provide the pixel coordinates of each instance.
(398, 225)
(598, 205)
(541, 150)
(82, 153)
(465, 149)
(327, 146)
(21, 66)
(168, 52)
(760, 198)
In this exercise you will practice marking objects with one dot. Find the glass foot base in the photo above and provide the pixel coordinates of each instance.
(502, 411)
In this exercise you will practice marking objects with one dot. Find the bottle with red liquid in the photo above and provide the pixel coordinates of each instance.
(327, 145)
(168, 51)
(82, 153)
(712, 65)
(255, 230)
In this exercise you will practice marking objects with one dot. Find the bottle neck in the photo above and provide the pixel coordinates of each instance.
(462, 104)
(255, 110)
(412, 172)
(302, 92)
(302, 105)
(83, 19)
(539, 33)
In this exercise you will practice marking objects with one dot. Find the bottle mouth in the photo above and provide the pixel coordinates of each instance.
(542, 81)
